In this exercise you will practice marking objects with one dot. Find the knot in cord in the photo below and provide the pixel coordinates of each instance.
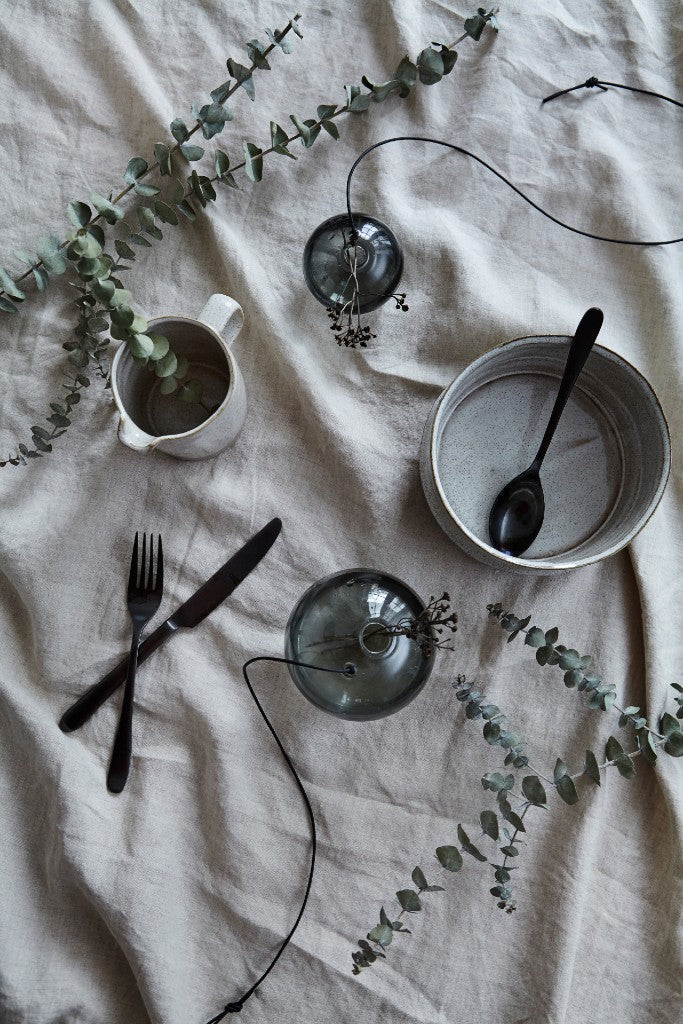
(234, 1007)
(591, 83)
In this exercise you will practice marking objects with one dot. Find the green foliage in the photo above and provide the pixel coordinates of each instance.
(449, 857)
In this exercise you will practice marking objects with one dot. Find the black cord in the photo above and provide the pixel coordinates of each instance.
(237, 1004)
(591, 82)
(598, 83)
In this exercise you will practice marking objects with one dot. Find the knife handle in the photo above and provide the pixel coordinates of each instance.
(88, 703)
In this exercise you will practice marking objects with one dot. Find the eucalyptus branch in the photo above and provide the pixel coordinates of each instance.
(496, 734)
(210, 119)
(94, 265)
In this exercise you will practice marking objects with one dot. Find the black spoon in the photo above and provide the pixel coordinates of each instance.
(517, 513)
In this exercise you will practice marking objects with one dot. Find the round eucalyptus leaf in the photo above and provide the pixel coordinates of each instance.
(166, 367)
(145, 190)
(123, 316)
(533, 790)
(140, 346)
(191, 152)
(135, 168)
(79, 214)
(168, 385)
(41, 278)
(409, 900)
(449, 857)
(179, 130)
(139, 325)
(160, 345)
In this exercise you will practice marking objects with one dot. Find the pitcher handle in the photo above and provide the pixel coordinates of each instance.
(224, 315)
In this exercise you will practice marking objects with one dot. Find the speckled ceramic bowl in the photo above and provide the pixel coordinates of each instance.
(604, 473)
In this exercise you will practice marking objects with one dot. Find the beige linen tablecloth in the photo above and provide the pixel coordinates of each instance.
(168, 901)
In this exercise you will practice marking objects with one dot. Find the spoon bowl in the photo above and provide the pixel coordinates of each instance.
(517, 513)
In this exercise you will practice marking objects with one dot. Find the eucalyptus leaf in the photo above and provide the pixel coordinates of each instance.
(331, 129)
(41, 278)
(469, 847)
(567, 790)
(135, 168)
(9, 286)
(165, 213)
(179, 130)
(186, 209)
(489, 823)
(162, 155)
(79, 213)
(409, 900)
(253, 161)
(515, 821)
(625, 766)
(674, 744)
(140, 346)
(590, 767)
(301, 127)
(430, 66)
(6, 306)
(613, 748)
(191, 152)
(166, 366)
(25, 257)
(535, 637)
(243, 77)
(419, 878)
(109, 211)
(449, 857)
(124, 250)
(168, 385)
(533, 790)
(145, 190)
(381, 934)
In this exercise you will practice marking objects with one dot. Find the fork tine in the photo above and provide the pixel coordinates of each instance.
(133, 576)
(150, 575)
(159, 587)
(143, 562)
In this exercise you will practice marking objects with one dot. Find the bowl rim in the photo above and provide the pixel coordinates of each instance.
(538, 564)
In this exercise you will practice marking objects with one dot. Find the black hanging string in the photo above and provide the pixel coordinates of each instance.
(591, 82)
(598, 83)
(236, 1005)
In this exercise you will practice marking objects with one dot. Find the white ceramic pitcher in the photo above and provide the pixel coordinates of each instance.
(151, 420)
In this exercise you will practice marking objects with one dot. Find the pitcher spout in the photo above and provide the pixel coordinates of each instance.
(134, 438)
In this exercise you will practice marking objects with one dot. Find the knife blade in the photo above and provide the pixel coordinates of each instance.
(190, 614)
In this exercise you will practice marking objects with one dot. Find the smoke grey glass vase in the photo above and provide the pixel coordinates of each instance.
(329, 255)
(345, 620)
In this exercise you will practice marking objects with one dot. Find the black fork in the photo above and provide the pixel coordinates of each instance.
(144, 598)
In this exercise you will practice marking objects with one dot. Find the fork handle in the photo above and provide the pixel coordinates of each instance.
(119, 766)
(93, 698)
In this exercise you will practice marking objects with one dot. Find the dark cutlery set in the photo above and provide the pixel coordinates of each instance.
(145, 588)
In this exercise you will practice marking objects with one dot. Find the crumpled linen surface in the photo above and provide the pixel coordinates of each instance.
(167, 902)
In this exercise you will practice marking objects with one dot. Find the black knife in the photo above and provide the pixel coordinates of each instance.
(190, 614)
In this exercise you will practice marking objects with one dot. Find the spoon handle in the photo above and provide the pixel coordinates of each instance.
(580, 349)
